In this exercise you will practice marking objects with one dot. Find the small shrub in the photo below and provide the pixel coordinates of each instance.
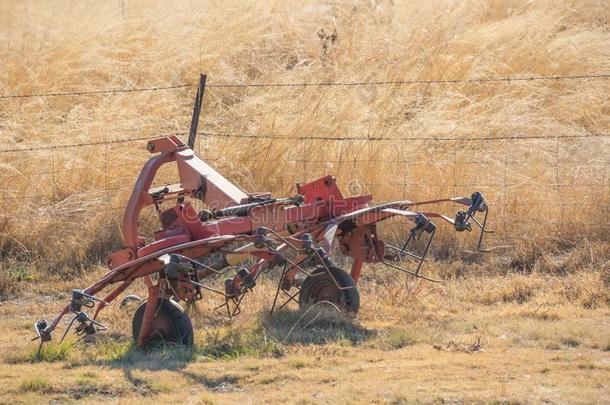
(36, 385)
(396, 339)
(110, 349)
(8, 284)
(298, 364)
(51, 352)
(570, 342)
(10, 276)
(518, 291)
(21, 273)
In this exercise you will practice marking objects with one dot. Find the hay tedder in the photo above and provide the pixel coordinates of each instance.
(254, 233)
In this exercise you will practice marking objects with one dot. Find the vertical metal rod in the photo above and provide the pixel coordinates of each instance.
(402, 250)
(423, 256)
(482, 230)
(195, 118)
(277, 292)
(196, 111)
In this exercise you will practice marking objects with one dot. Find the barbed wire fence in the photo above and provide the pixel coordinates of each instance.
(500, 180)
(516, 79)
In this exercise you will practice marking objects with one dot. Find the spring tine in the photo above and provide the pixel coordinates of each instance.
(291, 297)
(411, 273)
(67, 329)
(482, 231)
(406, 243)
(425, 252)
(406, 252)
(482, 226)
(330, 273)
(39, 349)
(277, 292)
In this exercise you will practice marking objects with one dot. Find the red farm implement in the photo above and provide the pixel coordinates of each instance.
(256, 233)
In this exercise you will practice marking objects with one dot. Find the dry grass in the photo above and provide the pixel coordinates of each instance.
(55, 204)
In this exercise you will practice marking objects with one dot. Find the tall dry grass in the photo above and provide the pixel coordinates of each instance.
(60, 208)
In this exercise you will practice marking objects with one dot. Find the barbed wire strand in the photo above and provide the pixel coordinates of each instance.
(314, 84)
(312, 138)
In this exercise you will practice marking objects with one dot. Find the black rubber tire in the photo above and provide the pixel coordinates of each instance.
(321, 287)
(170, 325)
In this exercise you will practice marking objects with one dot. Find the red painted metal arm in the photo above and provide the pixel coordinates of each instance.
(140, 199)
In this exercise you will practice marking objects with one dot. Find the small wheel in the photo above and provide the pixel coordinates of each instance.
(320, 286)
(170, 324)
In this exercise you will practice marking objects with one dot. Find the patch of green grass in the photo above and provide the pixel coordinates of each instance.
(111, 349)
(10, 276)
(396, 339)
(21, 273)
(36, 384)
(299, 364)
(51, 352)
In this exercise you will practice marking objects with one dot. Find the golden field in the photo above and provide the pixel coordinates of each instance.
(538, 308)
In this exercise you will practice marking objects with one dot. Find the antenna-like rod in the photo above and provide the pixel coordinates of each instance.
(196, 111)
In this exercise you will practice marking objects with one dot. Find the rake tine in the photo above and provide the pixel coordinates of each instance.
(406, 252)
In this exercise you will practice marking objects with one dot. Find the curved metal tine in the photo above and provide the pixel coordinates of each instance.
(411, 273)
(482, 232)
(331, 274)
(425, 251)
(291, 297)
(406, 243)
(68, 329)
(237, 303)
(277, 291)
(228, 308)
(298, 266)
(101, 325)
(482, 227)
(226, 305)
(406, 252)
(205, 287)
(39, 349)
(221, 305)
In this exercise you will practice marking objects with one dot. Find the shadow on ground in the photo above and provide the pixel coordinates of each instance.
(316, 325)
